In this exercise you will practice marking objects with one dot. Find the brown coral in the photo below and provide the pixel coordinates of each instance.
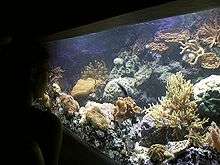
(125, 108)
(157, 46)
(174, 37)
(96, 118)
(158, 153)
(68, 103)
(210, 61)
(213, 136)
(209, 33)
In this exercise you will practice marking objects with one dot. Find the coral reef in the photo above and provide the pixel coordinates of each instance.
(125, 108)
(213, 136)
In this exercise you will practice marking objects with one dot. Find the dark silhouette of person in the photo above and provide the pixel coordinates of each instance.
(36, 136)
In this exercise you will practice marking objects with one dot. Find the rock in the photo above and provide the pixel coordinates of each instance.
(97, 119)
(112, 90)
(210, 83)
(84, 87)
(197, 156)
(106, 109)
(177, 146)
(209, 105)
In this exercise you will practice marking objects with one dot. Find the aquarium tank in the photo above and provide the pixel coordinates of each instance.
(146, 93)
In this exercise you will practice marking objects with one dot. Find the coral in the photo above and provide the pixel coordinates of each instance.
(157, 46)
(196, 138)
(209, 33)
(194, 50)
(96, 70)
(176, 110)
(210, 61)
(68, 103)
(84, 87)
(173, 37)
(213, 136)
(125, 108)
(158, 153)
(55, 75)
(96, 118)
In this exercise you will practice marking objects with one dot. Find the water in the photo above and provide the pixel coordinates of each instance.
(142, 94)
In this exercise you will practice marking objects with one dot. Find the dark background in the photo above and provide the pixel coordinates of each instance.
(44, 18)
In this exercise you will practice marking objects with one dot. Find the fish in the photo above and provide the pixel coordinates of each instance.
(123, 89)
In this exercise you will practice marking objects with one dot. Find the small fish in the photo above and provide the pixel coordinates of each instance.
(123, 89)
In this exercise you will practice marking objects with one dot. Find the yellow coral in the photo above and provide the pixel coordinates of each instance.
(177, 110)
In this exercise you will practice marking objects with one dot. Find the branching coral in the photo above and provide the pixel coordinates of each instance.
(197, 53)
(194, 50)
(177, 110)
(209, 33)
(96, 70)
(55, 75)
(157, 46)
(196, 138)
(213, 136)
(125, 108)
(175, 37)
